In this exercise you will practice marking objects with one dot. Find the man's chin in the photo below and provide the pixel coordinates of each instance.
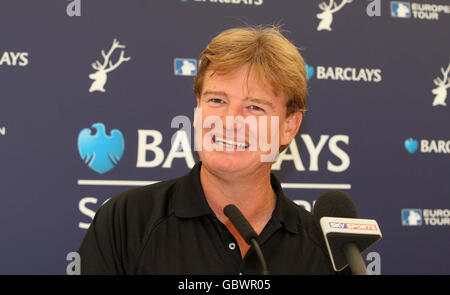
(226, 163)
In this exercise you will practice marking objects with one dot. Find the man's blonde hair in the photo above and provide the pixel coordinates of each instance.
(273, 57)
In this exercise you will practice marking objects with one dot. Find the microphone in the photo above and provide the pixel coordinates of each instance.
(247, 232)
(346, 236)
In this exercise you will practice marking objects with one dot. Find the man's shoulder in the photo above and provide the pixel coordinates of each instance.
(147, 193)
(143, 202)
(307, 224)
(311, 231)
(121, 226)
(304, 216)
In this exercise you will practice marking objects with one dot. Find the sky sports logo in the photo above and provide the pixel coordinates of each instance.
(352, 226)
(427, 146)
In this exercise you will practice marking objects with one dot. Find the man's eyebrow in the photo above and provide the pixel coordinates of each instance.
(210, 92)
(249, 98)
(259, 100)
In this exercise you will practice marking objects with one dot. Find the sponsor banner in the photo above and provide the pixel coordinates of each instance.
(346, 74)
(14, 59)
(109, 148)
(427, 146)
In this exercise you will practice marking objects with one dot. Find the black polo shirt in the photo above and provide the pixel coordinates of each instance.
(169, 228)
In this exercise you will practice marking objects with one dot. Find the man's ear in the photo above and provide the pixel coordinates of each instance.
(290, 127)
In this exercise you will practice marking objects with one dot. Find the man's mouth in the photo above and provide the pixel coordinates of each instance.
(230, 144)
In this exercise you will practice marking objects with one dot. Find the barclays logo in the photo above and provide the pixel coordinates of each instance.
(345, 74)
(309, 71)
(439, 146)
(101, 152)
(411, 145)
(11, 58)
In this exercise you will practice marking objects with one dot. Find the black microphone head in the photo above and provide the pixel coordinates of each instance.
(334, 204)
(341, 227)
(240, 223)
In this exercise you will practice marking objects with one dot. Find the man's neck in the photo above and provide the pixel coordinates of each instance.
(253, 195)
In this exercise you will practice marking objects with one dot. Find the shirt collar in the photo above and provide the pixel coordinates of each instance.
(190, 201)
(285, 210)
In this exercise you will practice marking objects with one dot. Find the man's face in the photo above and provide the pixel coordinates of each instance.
(243, 123)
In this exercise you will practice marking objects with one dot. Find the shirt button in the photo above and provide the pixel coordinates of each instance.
(232, 246)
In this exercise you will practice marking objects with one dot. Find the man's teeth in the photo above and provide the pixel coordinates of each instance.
(231, 143)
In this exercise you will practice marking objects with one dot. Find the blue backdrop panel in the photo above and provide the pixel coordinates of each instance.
(377, 125)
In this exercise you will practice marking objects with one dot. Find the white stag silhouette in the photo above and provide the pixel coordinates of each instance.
(326, 16)
(100, 76)
(441, 90)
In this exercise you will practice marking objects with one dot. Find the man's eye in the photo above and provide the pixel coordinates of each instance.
(256, 108)
(216, 100)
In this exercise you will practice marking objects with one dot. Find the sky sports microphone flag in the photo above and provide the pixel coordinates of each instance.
(338, 232)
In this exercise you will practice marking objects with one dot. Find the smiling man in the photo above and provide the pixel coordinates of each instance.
(251, 92)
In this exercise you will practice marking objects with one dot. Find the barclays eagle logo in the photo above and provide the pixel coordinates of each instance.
(309, 71)
(101, 152)
(411, 145)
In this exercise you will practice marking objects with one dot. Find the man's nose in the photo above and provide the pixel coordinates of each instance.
(234, 110)
(234, 117)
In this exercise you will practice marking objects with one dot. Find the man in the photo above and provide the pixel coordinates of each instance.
(251, 84)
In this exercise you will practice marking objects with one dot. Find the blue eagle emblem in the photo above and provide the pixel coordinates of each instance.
(101, 152)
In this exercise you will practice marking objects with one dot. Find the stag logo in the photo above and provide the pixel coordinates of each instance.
(441, 90)
(102, 69)
(326, 16)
